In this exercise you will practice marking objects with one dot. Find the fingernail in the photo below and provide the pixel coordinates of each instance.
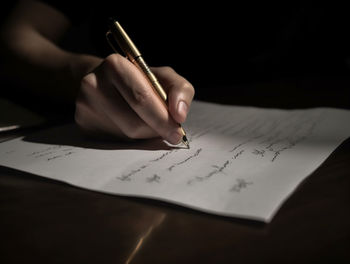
(174, 138)
(182, 109)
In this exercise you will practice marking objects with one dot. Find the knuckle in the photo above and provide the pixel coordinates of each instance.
(187, 88)
(163, 70)
(167, 69)
(141, 97)
(112, 60)
(88, 82)
(134, 130)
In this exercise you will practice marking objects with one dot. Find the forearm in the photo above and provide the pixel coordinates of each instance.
(43, 67)
(31, 58)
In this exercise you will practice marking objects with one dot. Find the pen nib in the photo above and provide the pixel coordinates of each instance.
(185, 141)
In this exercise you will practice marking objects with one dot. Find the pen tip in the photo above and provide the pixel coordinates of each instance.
(185, 141)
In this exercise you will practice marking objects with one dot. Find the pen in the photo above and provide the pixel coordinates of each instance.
(133, 54)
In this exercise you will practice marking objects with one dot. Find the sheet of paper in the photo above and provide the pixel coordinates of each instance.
(243, 161)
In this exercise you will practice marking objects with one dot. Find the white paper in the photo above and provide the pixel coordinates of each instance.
(243, 161)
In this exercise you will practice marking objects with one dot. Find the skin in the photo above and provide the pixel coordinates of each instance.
(111, 95)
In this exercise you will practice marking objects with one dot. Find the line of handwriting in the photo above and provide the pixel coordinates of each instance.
(217, 169)
(185, 160)
(52, 152)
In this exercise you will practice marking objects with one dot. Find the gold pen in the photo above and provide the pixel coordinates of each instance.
(133, 54)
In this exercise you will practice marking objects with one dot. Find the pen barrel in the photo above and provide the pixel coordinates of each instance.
(123, 40)
(143, 67)
(141, 64)
(134, 55)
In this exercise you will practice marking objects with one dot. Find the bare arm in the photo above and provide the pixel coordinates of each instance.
(114, 96)
(30, 52)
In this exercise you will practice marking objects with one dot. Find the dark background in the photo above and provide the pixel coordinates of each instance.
(290, 54)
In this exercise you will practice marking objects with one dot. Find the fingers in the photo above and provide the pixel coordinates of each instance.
(140, 96)
(180, 92)
(99, 109)
(117, 99)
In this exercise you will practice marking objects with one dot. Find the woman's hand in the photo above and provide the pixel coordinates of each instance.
(117, 99)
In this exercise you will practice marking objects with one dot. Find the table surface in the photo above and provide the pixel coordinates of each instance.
(47, 221)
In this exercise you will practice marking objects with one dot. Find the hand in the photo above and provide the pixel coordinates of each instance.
(117, 99)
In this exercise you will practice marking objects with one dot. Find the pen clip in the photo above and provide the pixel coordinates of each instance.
(109, 37)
